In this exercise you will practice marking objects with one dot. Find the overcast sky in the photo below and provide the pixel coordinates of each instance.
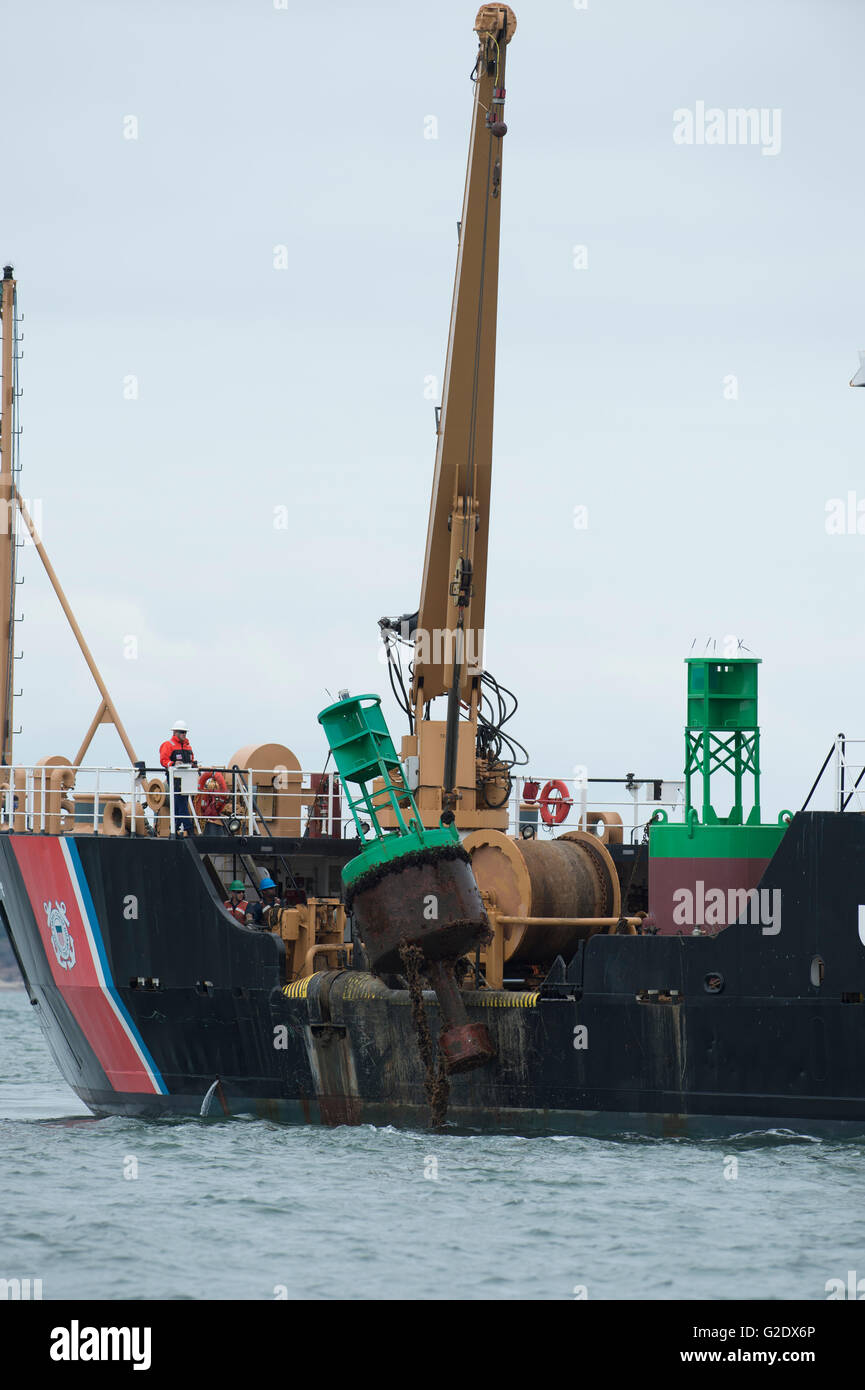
(303, 387)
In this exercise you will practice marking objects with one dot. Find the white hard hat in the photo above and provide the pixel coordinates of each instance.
(181, 725)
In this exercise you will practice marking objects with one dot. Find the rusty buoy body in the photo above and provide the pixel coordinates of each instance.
(429, 900)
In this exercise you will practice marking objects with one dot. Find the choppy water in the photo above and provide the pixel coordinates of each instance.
(236, 1208)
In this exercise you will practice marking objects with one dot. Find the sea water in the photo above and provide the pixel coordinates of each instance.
(246, 1209)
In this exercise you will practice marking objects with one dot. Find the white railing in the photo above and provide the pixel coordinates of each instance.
(849, 774)
(587, 807)
(261, 802)
(64, 799)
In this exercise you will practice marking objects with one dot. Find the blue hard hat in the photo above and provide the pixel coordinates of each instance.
(267, 883)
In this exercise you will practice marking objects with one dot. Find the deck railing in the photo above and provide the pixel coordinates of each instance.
(58, 798)
(61, 798)
(847, 756)
(849, 773)
(590, 806)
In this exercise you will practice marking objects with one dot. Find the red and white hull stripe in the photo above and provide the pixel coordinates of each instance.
(74, 948)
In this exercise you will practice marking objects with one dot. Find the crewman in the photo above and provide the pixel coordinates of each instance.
(255, 913)
(177, 751)
(236, 900)
(648, 924)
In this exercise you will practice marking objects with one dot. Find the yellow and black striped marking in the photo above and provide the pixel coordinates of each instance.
(297, 989)
(502, 999)
(362, 988)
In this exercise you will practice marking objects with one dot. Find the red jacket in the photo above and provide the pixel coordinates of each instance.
(173, 745)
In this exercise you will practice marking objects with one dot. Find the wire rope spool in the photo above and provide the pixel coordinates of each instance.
(573, 876)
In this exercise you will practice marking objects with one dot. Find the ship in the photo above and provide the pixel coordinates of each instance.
(447, 939)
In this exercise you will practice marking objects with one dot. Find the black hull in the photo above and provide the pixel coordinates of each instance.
(168, 996)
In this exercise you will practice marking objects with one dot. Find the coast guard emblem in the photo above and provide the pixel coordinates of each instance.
(61, 936)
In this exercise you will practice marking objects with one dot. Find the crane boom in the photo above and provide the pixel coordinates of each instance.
(453, 587)
(457, 765)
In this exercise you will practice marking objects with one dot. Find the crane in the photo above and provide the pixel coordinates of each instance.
(461, 765)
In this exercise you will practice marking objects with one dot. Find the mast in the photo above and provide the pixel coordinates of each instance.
(11, 503)
(8, 305)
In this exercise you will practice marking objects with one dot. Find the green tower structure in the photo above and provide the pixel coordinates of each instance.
(709, 851)
(722, 734)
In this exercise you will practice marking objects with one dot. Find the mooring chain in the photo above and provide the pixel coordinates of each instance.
(436, 1084)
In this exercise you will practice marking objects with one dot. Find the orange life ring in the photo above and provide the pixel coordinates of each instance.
(207, 807)
(554, 809)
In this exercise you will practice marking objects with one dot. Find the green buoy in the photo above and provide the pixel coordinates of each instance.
(409, 889)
